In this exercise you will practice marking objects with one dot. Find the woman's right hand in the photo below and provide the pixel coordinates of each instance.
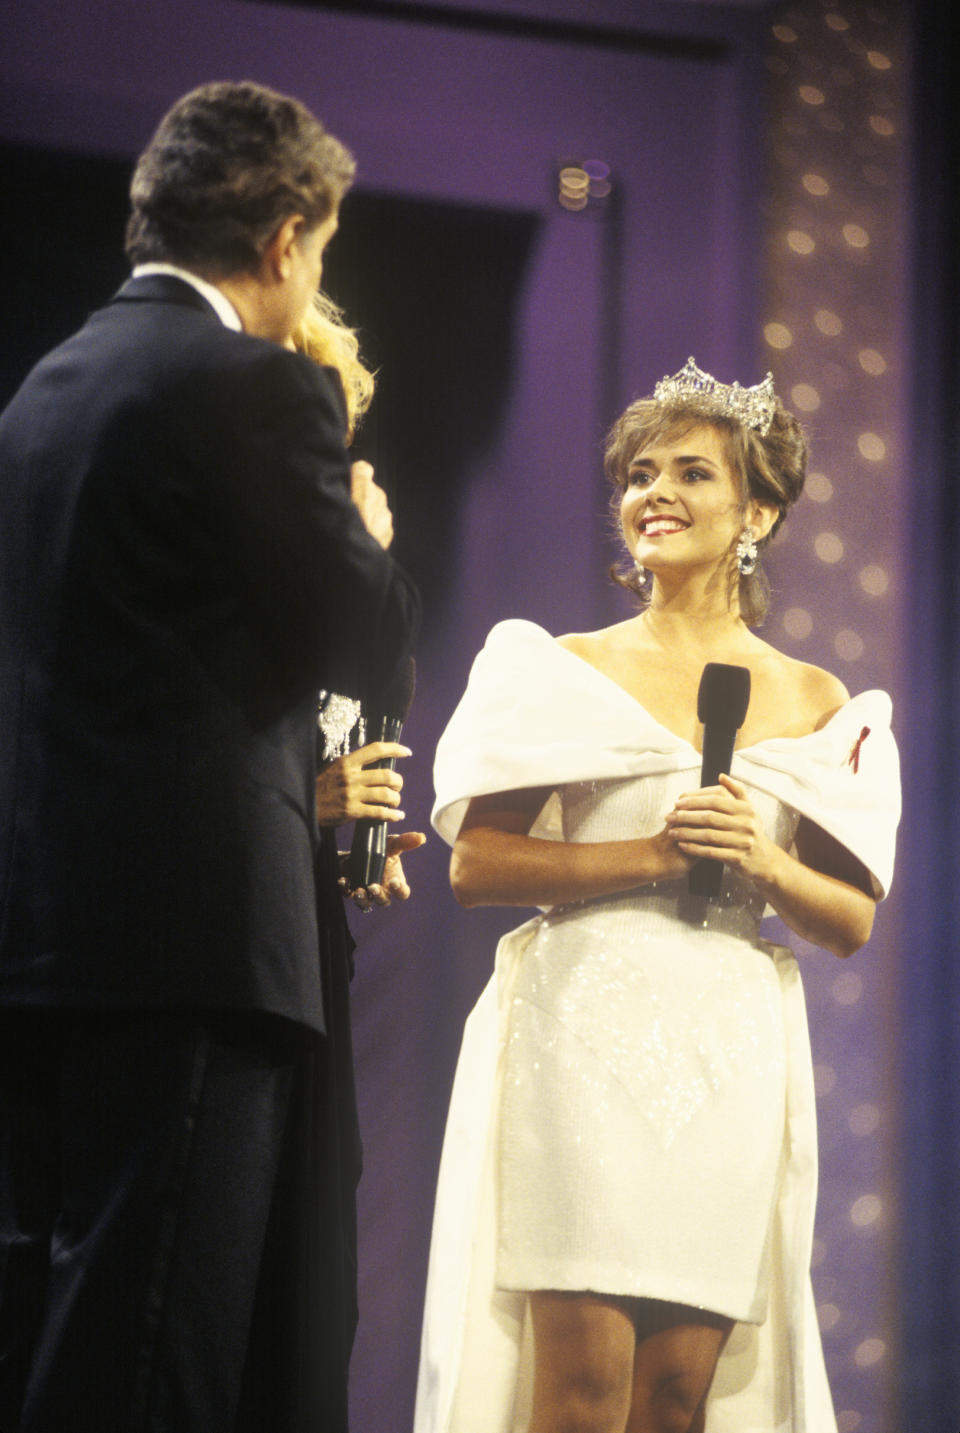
(349, 789)
(496, 862)
(370, 500)
(667, 858)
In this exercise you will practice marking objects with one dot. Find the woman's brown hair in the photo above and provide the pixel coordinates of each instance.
(771, 467)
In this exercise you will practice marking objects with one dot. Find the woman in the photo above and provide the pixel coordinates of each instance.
(639, 1218)
(324, 336)
(350, 786)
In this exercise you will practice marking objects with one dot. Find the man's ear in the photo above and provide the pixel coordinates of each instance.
(277, 260)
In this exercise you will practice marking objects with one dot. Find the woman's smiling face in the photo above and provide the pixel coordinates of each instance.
(682, 505)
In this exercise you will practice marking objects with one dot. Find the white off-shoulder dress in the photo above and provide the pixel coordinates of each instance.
(633, 1111)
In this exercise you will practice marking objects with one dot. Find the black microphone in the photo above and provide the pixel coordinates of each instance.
(368, 849)
(722, 703)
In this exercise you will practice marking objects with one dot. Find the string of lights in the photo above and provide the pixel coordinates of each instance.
(833, 270)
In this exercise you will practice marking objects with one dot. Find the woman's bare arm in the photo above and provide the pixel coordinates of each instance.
(823, 893)
(495, 862)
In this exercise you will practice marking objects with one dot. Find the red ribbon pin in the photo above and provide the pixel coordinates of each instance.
(854, 758)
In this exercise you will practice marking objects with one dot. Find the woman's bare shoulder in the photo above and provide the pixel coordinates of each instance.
(589, 644)
(816, 692)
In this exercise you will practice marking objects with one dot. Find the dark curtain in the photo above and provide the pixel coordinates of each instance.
(930, 835)
(62, 220)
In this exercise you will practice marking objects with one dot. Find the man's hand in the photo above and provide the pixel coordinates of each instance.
(394, 881)
(371, 503)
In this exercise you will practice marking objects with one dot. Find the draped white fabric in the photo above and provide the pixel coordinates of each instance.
(534, 715)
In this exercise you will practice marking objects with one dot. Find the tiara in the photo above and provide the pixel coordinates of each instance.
(753, 407)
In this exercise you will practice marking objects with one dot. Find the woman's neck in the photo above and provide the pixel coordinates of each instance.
(704, 620)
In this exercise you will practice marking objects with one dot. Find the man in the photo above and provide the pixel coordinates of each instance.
(185, 560)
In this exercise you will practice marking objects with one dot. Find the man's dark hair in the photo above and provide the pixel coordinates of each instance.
(227, 165)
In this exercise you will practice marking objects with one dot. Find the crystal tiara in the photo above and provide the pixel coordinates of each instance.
(753, 407)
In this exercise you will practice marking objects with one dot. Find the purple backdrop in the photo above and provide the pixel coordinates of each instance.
(604, 302)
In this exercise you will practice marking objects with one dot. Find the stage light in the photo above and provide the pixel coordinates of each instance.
(872, 447)
(816, 184)
(856, 236)
(797, 622)
(778, 335)
(583, 184)
(872, 362)
(828, 547)
(819, 487)
(805, 397)
(848, 645)
(828, 322)
(874, 580)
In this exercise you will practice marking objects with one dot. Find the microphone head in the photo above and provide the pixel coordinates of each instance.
(396, 699)
(724, 695)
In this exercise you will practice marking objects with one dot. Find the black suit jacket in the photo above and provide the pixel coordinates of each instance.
(181, 569)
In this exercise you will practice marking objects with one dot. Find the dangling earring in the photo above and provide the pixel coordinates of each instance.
(642, 573)
(747, 552)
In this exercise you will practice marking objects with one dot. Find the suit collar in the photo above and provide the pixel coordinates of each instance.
(164, 288)
(214, 296)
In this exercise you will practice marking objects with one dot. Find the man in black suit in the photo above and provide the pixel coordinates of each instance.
(185, 559)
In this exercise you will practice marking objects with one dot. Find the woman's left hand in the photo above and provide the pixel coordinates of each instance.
(354, 787)
(394, 885)
(718, 823)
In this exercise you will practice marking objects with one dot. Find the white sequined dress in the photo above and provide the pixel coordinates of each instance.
(633, 1110)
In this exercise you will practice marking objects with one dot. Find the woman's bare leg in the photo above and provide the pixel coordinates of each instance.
(676, 1358)
(583, 1362)
(604, 1364)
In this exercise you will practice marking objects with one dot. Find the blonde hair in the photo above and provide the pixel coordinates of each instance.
(323, 336)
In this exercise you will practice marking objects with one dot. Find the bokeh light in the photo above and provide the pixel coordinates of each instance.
(797, 622)
(874, 579)
(829, 547)
(848, 645)
(872, 447)
(819, 487)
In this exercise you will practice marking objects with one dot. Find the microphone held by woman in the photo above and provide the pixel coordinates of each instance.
(368, 850)
(722, 702)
